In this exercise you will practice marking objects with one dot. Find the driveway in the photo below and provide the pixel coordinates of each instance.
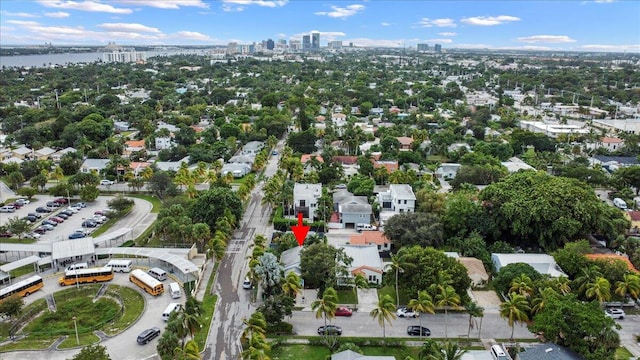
(367, 300)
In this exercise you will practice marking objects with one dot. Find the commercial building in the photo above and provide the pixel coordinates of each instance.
(306, 42)
(438, 48)
(423, 47)
(315, 41)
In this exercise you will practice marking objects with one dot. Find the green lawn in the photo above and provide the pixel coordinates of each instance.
(391, 291)
(347, 296)
(157, 204)
(623, 354)
(208, 308)
(315, 352)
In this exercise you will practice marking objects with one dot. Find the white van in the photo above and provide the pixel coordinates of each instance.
(77, 266)
(122, 265)
(169, 309)
(158, 273)
(174, 290)
(361, 227)
(620, 204)
(498, 353)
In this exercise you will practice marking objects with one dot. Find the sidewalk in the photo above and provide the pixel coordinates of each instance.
(202, 288)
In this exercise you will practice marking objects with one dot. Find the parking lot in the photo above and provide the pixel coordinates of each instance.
(64, 229)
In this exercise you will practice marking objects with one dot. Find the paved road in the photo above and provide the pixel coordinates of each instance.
(234, 304)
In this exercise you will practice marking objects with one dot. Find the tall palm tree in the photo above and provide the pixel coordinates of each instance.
(423, 304)
(217, 246)
(587, 275)
(474, 310)
(384, 312)
(291, 284)
(190, 351)
(522, 285)
(452, 351)
(515, 310)
(541, 299)
(398, 264)
(600, 289)
(326, 306)
(445, 298)
(359, 282)
(256, 325)
(629, 286)
(257, 349)
(563, 284)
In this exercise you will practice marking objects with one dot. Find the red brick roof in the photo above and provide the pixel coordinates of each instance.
(369, 237)
(612, 257)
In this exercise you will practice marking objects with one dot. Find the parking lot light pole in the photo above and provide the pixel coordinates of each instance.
(75, 325)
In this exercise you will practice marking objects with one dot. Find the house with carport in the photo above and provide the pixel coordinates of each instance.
(366, 262)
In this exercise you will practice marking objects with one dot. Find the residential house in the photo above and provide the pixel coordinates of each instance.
(514, 165)
(132, 146)
(242, 159)
(60, 153)
(252, 148)
(12, 160)
(171, 165)
(94, 165)
(290, 260)
(305, 160)
(458, 146)
(366, 262)
(238, 170)
(120, 126)
(447, 171)
(405, 143)
(339, 120)
(390, 165)
(634, 217)
(613, 258)
(44, 153)
(138, 167)
(548, 351)
(608, 143)
(22, 152)
(613, 163)
(5, 154)
(475, 269)
(373, 237)
(305, 199)
(398, 199)
(163, 142)
(352, 355)
(543, 263)
(352, 209)
(172, 128)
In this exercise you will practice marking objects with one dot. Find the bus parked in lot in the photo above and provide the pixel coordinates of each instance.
(22, 288)
(90, 275)
(146, 282)
(121, 265)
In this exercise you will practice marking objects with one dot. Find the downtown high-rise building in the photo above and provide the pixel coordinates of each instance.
(295, 45)
(423, 47)
(270, 44)
(306, 42)
(315, 41)
(438, 48)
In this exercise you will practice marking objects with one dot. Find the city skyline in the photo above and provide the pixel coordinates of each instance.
(598, 25)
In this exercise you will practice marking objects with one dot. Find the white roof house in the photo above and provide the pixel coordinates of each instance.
(514, 165)
(94, 164)
(366, 261)
(305, 198)
(543, 263)
(290, 260)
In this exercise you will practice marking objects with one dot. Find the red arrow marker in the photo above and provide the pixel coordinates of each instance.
(300, 230)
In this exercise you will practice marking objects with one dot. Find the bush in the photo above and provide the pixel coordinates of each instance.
(281, 328)
(502, 281)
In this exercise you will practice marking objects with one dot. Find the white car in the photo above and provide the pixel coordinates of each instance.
(72, 209)
(106, 182)
(615, 313)
(32, 235)
(408, 313)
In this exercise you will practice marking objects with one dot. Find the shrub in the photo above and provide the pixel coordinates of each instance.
(281, 328)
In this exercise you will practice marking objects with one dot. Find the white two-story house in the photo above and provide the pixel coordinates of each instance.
(397, 200)
(305, 199)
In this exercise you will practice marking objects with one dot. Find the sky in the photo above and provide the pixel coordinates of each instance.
(586, 25)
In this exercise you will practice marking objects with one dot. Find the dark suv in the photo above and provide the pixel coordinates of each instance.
(417, 330)
(148, 335)
(330, 330)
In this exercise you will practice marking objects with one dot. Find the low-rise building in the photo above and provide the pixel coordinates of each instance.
(305, 199)
(366, 262)
(542, 263)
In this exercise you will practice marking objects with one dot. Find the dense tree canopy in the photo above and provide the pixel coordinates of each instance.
(211, 205)
(408, 229)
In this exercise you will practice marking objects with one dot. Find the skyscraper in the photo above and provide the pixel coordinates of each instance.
(306, 42)
(423, 47)
(315, 41)
(270, 44)
(438, 48)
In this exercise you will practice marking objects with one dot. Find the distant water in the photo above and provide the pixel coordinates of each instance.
(77, 58)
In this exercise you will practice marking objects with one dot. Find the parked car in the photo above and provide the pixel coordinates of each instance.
(106, 182)
(89, 223)
(40, 230)
(42, 209)
(61, 201)
(15, 205)
(7, 209)
(32, 235)
(615, 313)
(72, 209)
(148, 335)
(6, 234)
(330, 330)
(62, 216)
(76, 235)
(99, 219)
(48, 226)
(23, 201)
(56, 219)
(67, 212)
(343, 311)
(406, 313)
(416, 330)
(30, 218)
(49, 222)
(37, 215)
(53, 204)
(246, 284)
(80, 205)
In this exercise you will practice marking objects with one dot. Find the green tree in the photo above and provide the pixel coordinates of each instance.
(629, 286)
(292, 284)
(522, 285)
(599, 289)
(398, 265)
(18, 226)
(326, 306)
(92, 352)
(474, 310)
(515, 310)
(15, 179)
(408, 229)
(503, 280)
(211, 205)
(321, 264)
(446, 298)
(89, 193)
(423, 304)
(189, 351)
(571, 258)
(384, 312)
(11, 306)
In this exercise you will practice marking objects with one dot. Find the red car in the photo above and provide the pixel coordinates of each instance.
(343, 311)
(56, 219)
(61, 201)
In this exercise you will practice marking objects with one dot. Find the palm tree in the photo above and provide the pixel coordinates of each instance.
(398, 264)
(217, 246)
(474, 310)
(445, 298)
(291, 284)
(629, 286)
(522, 285)
(515, 310)
(257, 349)
(600, 289)
(423, 304)
(452, 351)
(190, 351)
(563, 284)
(384, 312)
(587, 275)
(256, 325)
(539, 302)
(359, 282)
(326, 306)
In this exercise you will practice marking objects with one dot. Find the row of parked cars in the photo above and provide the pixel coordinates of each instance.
(11, 207)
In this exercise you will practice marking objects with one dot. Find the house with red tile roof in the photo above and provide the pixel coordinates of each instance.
(405, 143)
(634, 217)
(132, 146)
(376, 238)
(390, 165)
(612, 257)
(606, 142)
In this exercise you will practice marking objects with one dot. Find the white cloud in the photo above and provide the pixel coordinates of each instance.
(192, 35)
(611, 48)
(385, 24)
(604, 1)
(124, 27)
(229, 8)
(166, 4)
(324, 35)
(447, 34)
(23, 23)
(19, 14)
(366, 42)
(263, 3)
(92, 6)
(489, 20)
(445, 22)
(549, 39)
(57, 14)
(438, 41)
(342, 12)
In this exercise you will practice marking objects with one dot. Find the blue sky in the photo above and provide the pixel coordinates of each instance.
(589, 25)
